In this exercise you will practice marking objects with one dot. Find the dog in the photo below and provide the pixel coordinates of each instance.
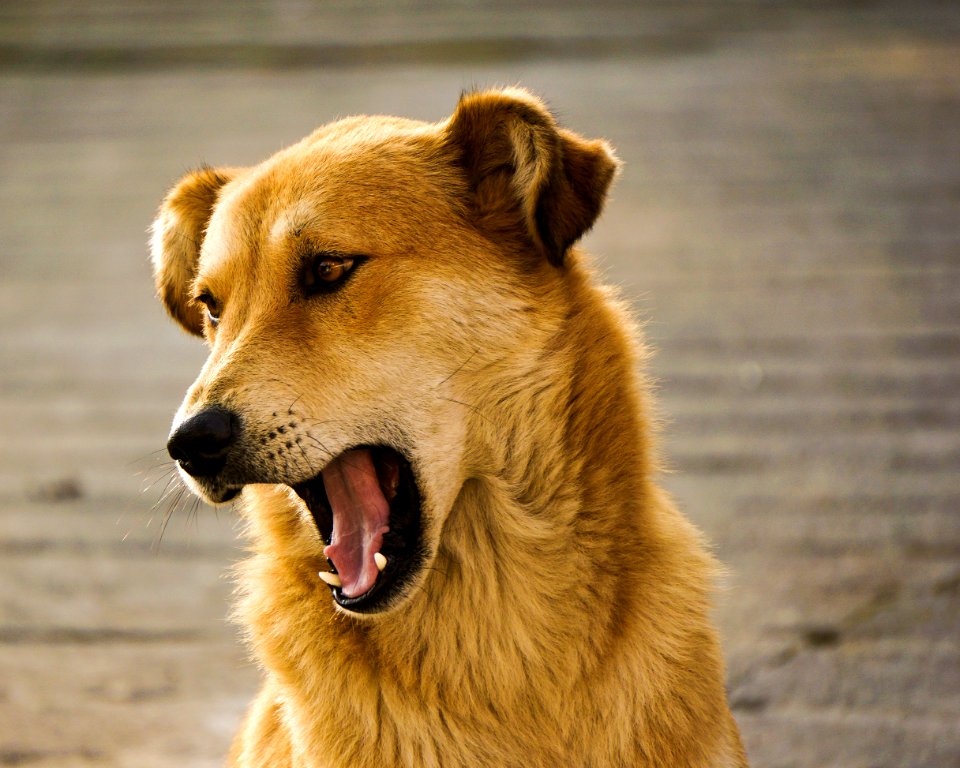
(430, 413)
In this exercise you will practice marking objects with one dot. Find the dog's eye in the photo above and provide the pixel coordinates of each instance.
(325, 272)
(213, 308)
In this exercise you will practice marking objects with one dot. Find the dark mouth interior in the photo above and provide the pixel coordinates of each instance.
(401, 543)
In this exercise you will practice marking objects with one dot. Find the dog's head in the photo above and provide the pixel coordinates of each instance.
(361, 293)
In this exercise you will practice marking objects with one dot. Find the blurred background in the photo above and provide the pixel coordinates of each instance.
(787, 225)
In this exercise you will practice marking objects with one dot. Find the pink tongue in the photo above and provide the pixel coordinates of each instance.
(360, 519)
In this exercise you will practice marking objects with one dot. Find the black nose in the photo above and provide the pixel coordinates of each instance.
(201, 443)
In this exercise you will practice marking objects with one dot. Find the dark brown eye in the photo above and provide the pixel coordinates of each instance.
(325, 272)
(213, 308)
(332, 270)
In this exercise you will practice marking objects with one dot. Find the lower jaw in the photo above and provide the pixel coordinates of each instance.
(387, 591)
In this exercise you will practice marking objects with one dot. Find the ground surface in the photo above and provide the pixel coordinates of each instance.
(787, 223)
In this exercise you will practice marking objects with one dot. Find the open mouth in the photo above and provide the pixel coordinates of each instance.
(366, 506)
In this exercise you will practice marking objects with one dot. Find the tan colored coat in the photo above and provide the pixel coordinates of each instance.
(561, 614)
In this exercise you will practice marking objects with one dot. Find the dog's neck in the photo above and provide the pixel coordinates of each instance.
(526, 545)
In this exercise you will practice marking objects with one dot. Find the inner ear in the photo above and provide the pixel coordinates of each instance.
(177, 234)
(524, 172)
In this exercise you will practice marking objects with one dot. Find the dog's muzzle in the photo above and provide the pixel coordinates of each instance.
(365, 502)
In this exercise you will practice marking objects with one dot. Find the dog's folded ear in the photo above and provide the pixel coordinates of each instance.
(523, 169)
(176, 236)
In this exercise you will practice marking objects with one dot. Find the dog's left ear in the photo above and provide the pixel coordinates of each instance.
(177, 234)
(520, 164)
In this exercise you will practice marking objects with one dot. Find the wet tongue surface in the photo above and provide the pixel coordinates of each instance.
(361, 517)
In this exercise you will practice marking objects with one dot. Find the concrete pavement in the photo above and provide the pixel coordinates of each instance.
(787, 225)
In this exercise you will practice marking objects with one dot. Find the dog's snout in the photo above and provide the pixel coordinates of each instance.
(201, 443)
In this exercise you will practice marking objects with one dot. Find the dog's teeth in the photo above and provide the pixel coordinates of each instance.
(330, 578)
(380, 560)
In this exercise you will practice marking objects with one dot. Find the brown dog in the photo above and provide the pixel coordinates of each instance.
(432, 412)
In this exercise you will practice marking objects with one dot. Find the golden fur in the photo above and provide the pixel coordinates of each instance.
(561, 618)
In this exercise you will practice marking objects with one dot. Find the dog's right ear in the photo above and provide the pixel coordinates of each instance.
(177, 234)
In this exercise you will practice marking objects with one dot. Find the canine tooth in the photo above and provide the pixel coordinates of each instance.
(380, 560)
(330, 578)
